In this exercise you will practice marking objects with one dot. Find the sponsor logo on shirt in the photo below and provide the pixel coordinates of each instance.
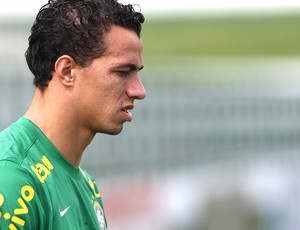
(42, 170)
(27, 195)
(63, 212)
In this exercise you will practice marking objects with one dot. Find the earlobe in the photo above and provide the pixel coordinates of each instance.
(64, 66)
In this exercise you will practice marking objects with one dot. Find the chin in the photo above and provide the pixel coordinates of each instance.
(113, 132)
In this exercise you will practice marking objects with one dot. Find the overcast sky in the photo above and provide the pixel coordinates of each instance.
(171, 6)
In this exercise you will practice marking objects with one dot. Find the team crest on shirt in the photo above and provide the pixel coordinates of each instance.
(100, 215)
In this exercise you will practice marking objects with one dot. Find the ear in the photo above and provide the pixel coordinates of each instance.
(64, 67)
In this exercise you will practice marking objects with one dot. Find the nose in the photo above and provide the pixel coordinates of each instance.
(136, 88)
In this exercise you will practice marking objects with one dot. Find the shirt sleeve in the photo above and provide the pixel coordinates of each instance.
(20, 205)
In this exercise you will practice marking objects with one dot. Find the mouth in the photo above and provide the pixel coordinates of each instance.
(127, 115)
(126, 111)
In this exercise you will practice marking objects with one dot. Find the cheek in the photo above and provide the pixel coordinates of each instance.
(102, 100)
(101, 93)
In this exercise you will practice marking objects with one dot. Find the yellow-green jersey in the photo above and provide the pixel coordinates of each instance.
(40, 189)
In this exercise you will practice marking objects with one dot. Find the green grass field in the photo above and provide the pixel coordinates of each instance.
(270, 35)
(223, 36)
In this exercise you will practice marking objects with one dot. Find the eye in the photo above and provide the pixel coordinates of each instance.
(124, 73)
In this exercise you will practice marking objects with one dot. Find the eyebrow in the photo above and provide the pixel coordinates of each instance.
(130, 66)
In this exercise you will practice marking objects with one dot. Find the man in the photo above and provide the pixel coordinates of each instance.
(85, 56)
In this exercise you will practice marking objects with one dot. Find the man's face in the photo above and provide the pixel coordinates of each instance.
(107, 89)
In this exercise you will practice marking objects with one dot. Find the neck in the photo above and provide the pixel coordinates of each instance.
(59, 123)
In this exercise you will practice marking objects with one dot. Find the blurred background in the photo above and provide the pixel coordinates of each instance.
(215, 145)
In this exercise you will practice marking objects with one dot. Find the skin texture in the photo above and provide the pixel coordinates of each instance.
(82, 101)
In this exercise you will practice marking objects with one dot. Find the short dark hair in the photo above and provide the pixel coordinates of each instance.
(75, 28)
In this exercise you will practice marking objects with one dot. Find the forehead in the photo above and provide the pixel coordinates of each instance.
(123, 48)
(121, 40)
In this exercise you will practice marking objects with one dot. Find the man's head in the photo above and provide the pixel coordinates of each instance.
(75, 28)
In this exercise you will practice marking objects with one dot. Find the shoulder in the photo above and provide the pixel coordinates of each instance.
(15, 173)
(18, 182)
(24, 200)
(25, 203)
(15, 141)
(18, 194)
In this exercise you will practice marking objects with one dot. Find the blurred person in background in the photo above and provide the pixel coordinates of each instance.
(85, 57)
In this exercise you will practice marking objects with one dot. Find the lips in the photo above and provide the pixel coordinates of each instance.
(126, 113)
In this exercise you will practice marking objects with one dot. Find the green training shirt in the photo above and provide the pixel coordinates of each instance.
(40, 189)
